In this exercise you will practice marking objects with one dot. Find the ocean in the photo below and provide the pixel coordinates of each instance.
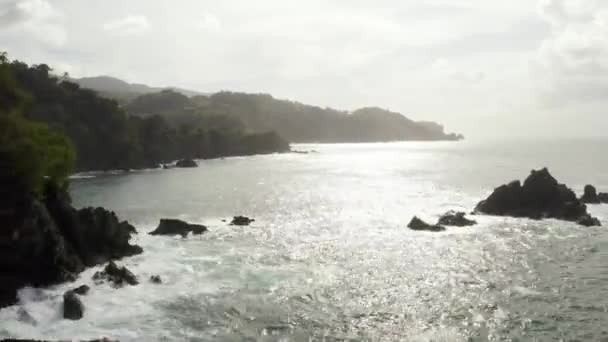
(330, 257)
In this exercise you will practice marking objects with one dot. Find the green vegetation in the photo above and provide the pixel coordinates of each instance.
(29, 152)
(106, 138)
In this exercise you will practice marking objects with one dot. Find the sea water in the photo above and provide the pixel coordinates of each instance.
(330, 258)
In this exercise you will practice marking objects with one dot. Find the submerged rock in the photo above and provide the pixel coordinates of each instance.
(457, 219)
(541, 196)
(241, 221)
(82, 290)
(156, 279)
(118, 276)
(588, 221)
(418, 224)
(590, 195)
(178, 227)
(185, 163)
(73, 308)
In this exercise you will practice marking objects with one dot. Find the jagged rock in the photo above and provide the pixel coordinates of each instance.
(184, 163)
(590, 195)
(457, 219)
(541, 196)
(96, 234)
(156, 279)
(588, 221)
(82, 290)
(603, 197)
(33, 250)
(25, 317)
(178, 227)
(418, 224)
(118, 276)
(241, 221)
(73, 308)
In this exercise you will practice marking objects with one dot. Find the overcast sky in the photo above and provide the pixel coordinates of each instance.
(480, 67)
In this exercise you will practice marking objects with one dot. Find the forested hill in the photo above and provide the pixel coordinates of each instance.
(106, 137)
(294, 121)
(122, 91)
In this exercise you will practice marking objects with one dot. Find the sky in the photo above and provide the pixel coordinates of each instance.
(485, 68)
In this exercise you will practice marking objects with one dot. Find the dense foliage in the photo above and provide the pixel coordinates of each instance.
(30, 152)
(107, 138)
(294, 121)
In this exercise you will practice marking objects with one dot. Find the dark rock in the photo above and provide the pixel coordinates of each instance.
(118, 276)
(178, 227)
(73, 308)
(33, 249)
(418, 224)
(457, 219)
(82, 290)
(166, 166)
(588, 221)
(156, 279)
(590, 195)
(541, 196)
(96, 234)
(241, 221)
(603, 197)
(25, 317)
(184, 163)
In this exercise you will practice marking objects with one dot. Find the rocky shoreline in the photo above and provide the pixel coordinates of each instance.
(47, 241)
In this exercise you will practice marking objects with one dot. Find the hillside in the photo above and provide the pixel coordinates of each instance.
(122, 91)
(294, 121)
(106, 138)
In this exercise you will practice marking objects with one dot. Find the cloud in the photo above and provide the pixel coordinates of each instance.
(209, 23)
(574, 59)
(132, 24)
(37, 19)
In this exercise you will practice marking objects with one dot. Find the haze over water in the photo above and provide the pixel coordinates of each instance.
(329, 255)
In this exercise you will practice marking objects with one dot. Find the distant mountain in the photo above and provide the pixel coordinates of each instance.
(123, 91)
(294, 121)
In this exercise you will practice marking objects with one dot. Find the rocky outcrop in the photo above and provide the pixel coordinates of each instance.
(590, 195)
(603, 197)
(178, 227)
(186, 163)
(118, 276)
(418, 224)
(241, 221)
(45, 242)
(541, 196)
(73, 308)
(456, 219)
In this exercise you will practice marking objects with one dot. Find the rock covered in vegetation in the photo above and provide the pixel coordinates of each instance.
(118, 276)
(178, 227)
(590, 195)
(241, 221)
(417, 224)
(73, 308)
(541, 196)
(186, 163)
(456, 219)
